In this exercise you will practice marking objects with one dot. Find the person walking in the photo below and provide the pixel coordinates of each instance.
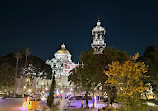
(82, 103)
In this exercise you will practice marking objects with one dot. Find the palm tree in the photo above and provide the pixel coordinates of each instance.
(18, 56)
(27, 53)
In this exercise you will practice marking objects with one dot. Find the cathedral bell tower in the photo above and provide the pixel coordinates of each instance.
(98, 34)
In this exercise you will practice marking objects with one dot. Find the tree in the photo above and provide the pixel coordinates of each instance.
(38, 64)
(81, 81)
(7, 75)
(150, 57)
(27, 53)
(96, 64)
(18, 56)
(128, 77)
(9, 59)
(50, 98)
(91, 74)
(41, 66)
(1, 58)
(37, 68)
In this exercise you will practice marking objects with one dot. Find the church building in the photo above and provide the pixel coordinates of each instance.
(61, 66)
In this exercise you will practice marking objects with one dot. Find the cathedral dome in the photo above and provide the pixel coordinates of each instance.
(63, 50)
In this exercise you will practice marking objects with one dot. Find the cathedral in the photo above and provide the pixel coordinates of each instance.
(61, 66)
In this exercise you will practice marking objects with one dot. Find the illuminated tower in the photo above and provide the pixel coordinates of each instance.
(98, 34)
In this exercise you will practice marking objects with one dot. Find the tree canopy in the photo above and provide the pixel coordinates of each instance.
(91, 75)
(17, 61)
(94, 65)
(150, 58)
(38, 63)
(7, 75)
(127, 77)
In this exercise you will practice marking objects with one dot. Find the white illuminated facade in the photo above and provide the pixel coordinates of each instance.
(98, 33)
(61, 66)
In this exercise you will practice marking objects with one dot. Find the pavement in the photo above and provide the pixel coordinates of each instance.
(69, 105)
(11, 104)
(76, 104)
(15, 104)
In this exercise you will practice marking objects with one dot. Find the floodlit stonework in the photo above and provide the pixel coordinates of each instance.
(98, 34)
(61, 66)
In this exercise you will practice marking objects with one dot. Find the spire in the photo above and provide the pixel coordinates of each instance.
(63, 46)
(98, 22)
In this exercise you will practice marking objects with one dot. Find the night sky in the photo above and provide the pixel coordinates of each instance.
(43, 25)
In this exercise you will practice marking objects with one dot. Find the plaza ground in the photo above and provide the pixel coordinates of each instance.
(15, 104)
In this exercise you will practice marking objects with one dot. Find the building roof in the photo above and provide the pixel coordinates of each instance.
(98, 27)
(63, 50)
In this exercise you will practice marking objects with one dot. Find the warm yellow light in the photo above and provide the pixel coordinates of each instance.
(63, 51)
(24, 87)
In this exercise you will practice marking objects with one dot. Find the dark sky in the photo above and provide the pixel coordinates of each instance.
(43, 25)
